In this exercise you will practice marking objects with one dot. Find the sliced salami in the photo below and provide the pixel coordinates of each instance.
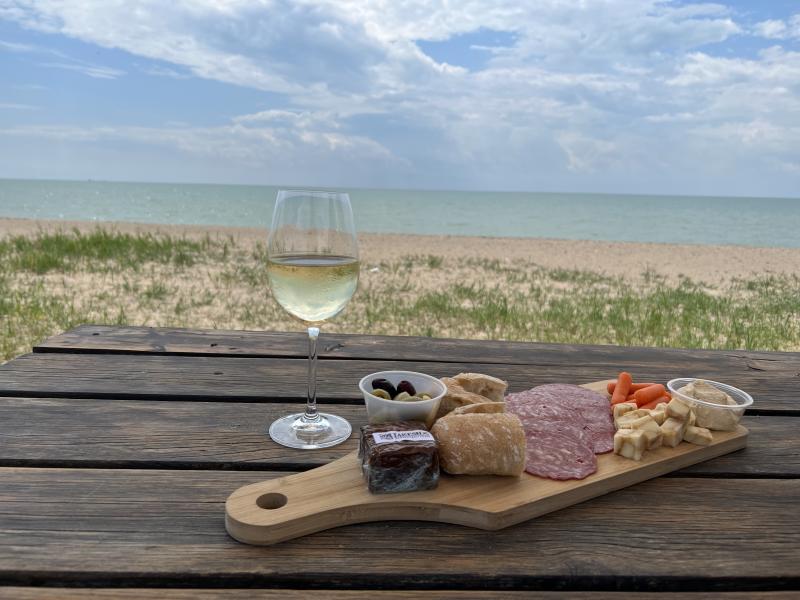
(565, 426)
(571, 403)
(557, 455)
(560, 426)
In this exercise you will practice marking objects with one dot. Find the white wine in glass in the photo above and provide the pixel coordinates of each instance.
(312, 265)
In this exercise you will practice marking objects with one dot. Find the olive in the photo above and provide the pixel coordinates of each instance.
(405, 386)
(403, 397)
(381, 394)
(426, 397)
(385, 385)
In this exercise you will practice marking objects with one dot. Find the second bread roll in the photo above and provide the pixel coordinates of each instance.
(480, 444)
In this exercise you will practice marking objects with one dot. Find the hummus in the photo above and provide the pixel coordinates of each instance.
(724, 418)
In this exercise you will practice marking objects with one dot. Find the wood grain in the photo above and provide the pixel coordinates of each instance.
(20, 593)
(225, 435)
(131, 526)
(155, 340)
(272, 379)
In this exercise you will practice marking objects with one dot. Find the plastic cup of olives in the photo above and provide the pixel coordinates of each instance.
(404, 408)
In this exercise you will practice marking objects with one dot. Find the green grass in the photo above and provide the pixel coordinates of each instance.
(103, 249)
(52, 282)
(533, 303)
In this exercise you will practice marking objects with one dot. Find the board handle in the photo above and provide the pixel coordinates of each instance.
(331, 496)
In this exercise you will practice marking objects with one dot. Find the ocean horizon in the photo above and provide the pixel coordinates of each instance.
(747, 221)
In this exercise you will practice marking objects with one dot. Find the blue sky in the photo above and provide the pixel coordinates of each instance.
(629, 96)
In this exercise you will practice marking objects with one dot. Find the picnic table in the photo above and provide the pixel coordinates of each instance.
(119, 446)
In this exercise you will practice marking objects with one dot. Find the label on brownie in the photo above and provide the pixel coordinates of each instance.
(415, 435)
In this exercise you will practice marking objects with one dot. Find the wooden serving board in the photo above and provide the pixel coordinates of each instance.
(336, 494)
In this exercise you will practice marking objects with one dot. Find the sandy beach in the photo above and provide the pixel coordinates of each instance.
(628, 260)
(562, 291)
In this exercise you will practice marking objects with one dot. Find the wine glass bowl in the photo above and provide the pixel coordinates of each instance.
(312, 267)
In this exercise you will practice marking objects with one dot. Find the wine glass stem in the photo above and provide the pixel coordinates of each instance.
(311, 398)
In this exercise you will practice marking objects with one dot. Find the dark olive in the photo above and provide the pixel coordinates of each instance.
(385, 385)
(405, 386)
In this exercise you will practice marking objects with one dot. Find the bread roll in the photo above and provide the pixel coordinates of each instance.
(480, 444)
(483, 385)
(457, 396)
(484, 408)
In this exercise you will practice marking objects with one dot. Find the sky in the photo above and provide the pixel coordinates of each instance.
(615, 96)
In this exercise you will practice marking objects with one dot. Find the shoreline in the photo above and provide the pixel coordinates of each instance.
(628, 260)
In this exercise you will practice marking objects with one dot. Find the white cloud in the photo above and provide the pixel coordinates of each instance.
(777, 29)
(16, 47)
(160, 71)
(585, 153)
(258, 146)
(772, 65)
(64, 61)
(96, 72)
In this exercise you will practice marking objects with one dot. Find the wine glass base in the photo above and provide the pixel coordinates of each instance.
(294, 431)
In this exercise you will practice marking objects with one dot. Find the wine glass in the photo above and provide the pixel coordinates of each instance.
(312, 265)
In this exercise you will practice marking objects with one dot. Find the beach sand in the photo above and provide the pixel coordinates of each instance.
(561, 291)
(707, 263)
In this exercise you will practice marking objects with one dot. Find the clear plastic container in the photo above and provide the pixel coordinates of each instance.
(380, 410)
(719, 417)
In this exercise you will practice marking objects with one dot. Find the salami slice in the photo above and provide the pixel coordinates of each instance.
(557, 455)
(571, 403)
(560, 426)
(565, 425)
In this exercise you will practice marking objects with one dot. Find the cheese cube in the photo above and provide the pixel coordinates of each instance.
(678, 409)
(692, 418)
(659, 413)
(672, 431)
(652, 432)
(697, 435)
(623, 407)
(630, 443)
(625, 420)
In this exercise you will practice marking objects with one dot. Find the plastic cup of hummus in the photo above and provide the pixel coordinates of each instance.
(717, 406)
(381, 410)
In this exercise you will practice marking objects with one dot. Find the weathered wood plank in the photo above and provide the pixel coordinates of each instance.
(154, 340)
(132, 526)
(270, 379)
(21, 593)
(231, 435)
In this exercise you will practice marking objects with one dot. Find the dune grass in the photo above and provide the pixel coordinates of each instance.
(54, 281)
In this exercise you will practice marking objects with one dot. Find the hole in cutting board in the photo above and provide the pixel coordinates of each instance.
(271, 501)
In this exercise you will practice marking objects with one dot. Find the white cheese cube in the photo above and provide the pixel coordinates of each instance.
(624, 422)
(623, 407)
(652, 432)
(697, 435)
(678, 409)
(672, 431)
(659, 413)
(692, 419)
(630, 443)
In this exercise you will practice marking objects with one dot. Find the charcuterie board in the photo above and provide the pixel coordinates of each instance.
(335, 495)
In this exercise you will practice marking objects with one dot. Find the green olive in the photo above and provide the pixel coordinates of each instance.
(381, 394)
(402, 397)
(425, 397)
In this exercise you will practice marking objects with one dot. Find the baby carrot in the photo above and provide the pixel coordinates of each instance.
(649, 394)
(635, 387)
(655, 402)
(622, 388)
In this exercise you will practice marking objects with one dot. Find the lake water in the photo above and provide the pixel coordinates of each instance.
(672, 219)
